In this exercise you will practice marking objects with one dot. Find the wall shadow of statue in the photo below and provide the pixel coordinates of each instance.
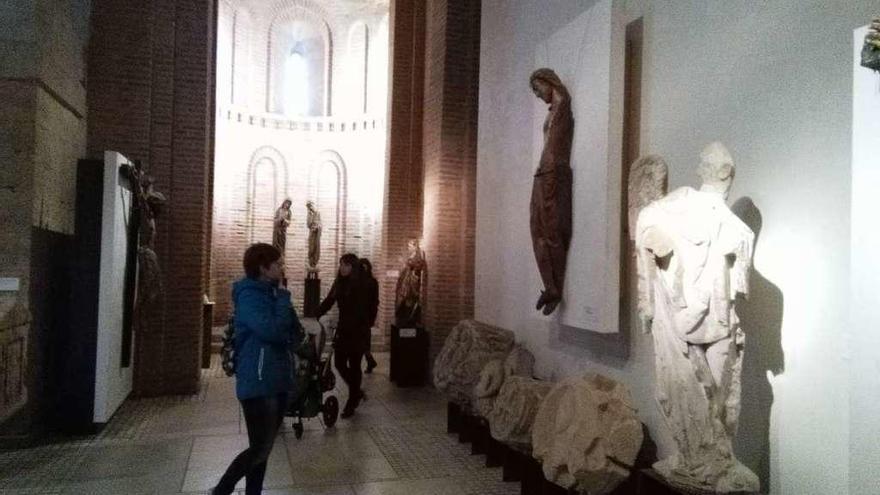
(761, 319)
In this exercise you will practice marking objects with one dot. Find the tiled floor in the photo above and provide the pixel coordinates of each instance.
(395, 445)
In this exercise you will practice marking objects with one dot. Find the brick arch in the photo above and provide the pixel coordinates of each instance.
(308, 11)
(262, 157)
(331, 158)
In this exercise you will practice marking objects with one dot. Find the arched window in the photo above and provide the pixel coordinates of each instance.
(295, 83)
(298, 64)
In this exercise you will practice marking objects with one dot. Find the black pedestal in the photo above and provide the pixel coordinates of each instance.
(481, 437)
(453, 417)
(511, 469)
(409, 356)
(311, 297)
(494, 453)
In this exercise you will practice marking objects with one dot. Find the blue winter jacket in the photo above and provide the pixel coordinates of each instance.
(265, 326)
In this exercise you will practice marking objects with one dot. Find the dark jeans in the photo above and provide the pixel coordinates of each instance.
(348, 363)
(263, 416)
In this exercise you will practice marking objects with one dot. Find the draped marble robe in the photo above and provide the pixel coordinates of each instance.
(694, 257)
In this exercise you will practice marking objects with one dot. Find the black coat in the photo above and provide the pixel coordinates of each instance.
(352, 300)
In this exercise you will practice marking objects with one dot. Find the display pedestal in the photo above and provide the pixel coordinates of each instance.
(409, 356)
(649, 482)
(311, 295)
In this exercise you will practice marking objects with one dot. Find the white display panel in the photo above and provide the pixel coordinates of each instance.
(113, 383)
(588, 55)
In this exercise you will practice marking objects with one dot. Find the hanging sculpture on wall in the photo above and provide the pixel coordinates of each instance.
(694, 256)
(871, 50)
(550, 206)
(148, 206)
(279, 226)
(410, 292)
(313, 222)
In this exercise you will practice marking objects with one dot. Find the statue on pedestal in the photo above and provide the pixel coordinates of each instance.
(410, 292)
(313, 222)
(694, 256)
(550, 207)
(279, 226)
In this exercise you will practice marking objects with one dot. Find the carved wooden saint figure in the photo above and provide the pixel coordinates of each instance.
(410, 292)
(279, 226)
(694, 256)
(313, 222)
(550, 207)
(148, 204)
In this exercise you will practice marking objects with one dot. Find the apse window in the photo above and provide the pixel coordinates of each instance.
(296, 82)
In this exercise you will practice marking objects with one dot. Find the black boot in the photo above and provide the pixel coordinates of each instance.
(371, 363)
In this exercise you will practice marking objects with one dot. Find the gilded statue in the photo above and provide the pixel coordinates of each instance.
(410, 292)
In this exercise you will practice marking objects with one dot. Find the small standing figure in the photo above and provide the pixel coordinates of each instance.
(871, 50)
(279, 226)
(550, 208)
(313, 222)
(410, 292)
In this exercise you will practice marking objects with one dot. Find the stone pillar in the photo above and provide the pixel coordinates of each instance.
(452, 55)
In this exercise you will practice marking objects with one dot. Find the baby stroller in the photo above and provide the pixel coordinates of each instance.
(313, 377)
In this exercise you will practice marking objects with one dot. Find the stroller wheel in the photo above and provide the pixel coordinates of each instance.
(298, 430)
(330, 411)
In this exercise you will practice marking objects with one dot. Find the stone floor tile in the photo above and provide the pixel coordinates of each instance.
(211, 456)
(395, 444)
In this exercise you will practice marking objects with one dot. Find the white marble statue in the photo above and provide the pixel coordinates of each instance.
(520, 362)
(467, 349)
(514, 410)
(694, 257)
(586, 434)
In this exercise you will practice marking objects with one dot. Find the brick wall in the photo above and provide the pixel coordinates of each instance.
(149, 97)
(450, 132)
(404, 184)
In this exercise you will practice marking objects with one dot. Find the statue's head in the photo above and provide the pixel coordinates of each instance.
(310, 204)
(412, 247)
(286, 204)
(716, 168)
(544, 81)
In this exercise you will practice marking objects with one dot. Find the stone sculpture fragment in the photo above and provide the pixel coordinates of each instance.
(586, 434)
(514, 411)
(520, 362)
(467, 349)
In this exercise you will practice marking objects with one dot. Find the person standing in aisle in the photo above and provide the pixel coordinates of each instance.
(265, 326)
(353, 328)
(373, 301)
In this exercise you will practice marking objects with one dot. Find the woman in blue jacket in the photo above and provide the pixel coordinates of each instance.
(265, 327)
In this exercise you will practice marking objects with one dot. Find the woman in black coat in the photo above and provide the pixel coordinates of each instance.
(373, 301)
(352, 340)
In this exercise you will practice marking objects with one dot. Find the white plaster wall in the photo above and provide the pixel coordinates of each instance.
(865, 320)
(773, 81)
(113, 383)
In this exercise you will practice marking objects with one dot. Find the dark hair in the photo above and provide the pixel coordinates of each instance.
(257, 255)
(367, 266)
